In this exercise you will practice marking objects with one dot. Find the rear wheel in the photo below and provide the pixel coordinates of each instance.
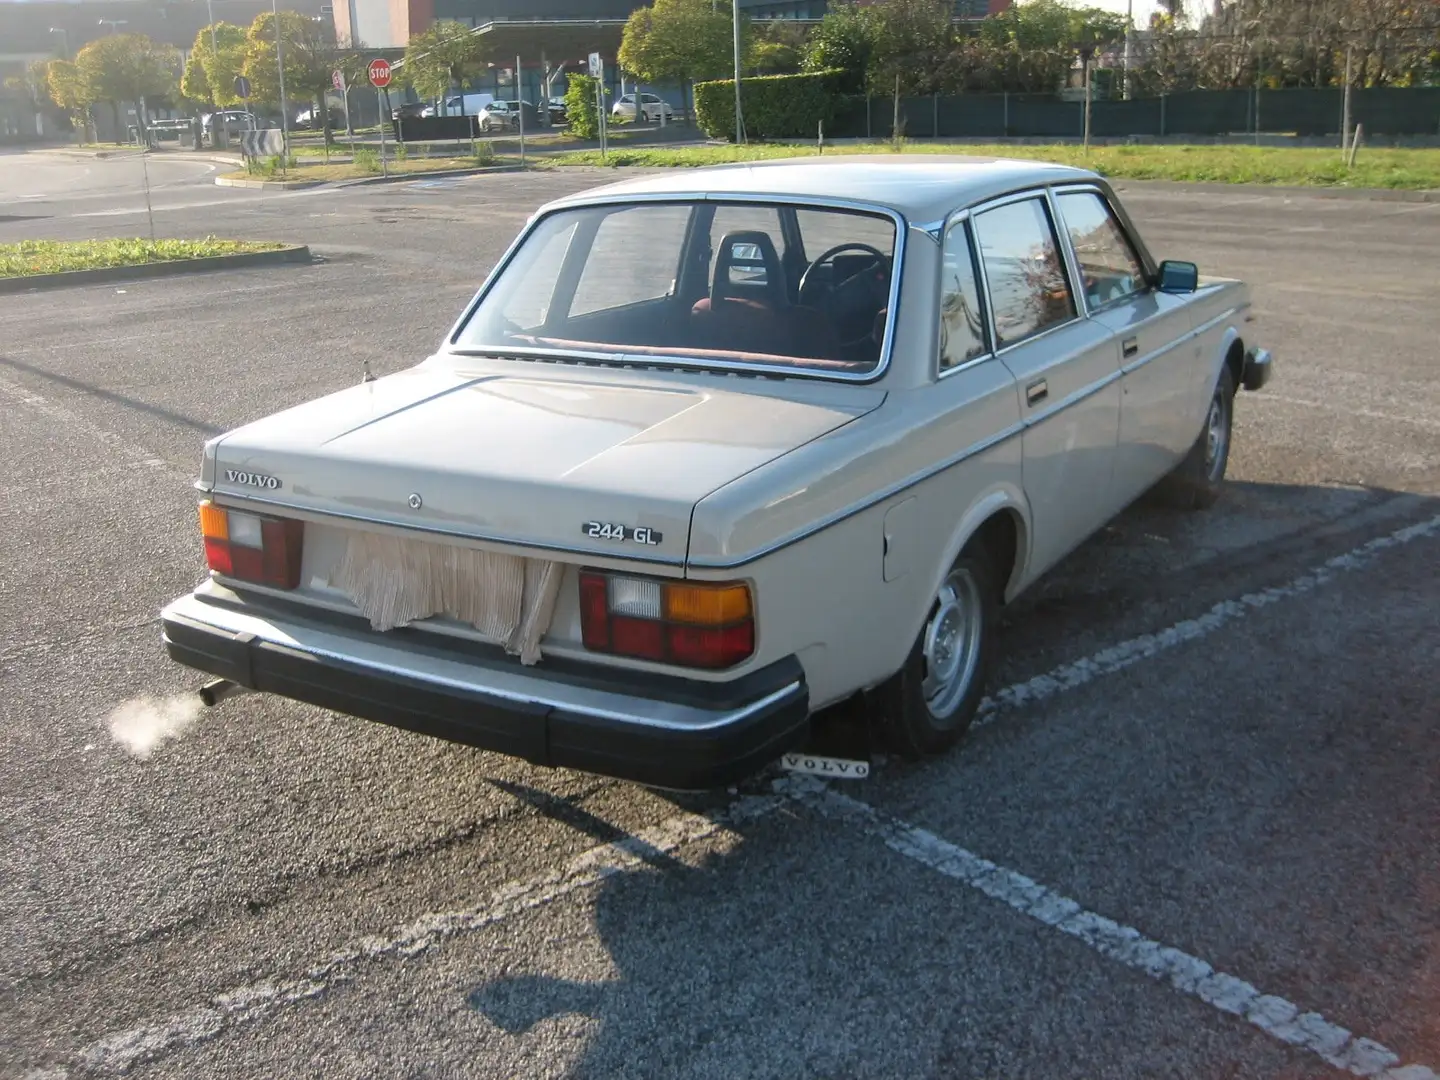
(929, 704)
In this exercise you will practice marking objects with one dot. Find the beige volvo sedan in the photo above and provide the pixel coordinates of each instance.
(713, 450)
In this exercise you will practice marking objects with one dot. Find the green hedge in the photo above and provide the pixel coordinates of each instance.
(775, 106)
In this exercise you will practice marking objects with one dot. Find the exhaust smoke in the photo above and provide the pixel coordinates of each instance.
(141, 724)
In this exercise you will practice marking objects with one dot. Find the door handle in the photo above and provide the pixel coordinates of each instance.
(1036, 392)
(1130, 346)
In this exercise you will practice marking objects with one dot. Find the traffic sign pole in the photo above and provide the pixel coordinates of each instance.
(379, 72)
(520, 105)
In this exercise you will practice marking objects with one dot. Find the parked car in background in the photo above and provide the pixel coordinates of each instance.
(464, 104)
(558, 115)
(234, 120)
(412, 110)
(651, 106)
(713, 449)
(505, 116)
(309, 119)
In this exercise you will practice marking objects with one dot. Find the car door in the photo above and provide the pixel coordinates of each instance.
(1067, 368)
(1152, 330)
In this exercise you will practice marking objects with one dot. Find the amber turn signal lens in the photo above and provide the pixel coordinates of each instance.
(707, 605)
(214, 522)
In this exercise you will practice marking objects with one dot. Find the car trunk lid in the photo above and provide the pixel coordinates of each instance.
(610, 464)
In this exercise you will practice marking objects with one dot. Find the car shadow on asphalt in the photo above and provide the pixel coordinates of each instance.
(90, 390)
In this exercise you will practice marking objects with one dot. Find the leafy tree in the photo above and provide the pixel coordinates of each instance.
(777, 49)
(70, 89)
(844, 41)
(310, 58)
(447, 53)
(682, 41)
(210, 72)
(912, 39)
(128, 67)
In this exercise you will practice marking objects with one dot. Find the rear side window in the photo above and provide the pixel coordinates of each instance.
(962, 319)
(1028, 286)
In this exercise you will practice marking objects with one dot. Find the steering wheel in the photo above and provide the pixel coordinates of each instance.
(855, 300)
(805, 281)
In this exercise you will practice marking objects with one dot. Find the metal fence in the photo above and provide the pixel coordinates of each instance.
(1383, 112)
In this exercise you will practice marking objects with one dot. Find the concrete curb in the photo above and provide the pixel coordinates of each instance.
(267, 185)
(104, 274)
(94, 155)
(433, 175)
(290, 185)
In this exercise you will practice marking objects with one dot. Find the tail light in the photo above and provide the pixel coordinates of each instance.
(699, 625)
(252, 547)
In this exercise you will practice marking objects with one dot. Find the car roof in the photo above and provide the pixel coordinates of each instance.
(923, 188)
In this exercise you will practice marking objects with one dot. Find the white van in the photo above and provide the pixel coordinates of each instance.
(472, 104)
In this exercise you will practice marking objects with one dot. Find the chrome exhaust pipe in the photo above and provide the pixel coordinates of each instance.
(212, 693)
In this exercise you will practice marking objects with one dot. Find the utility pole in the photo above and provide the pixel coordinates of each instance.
(1345, 114)
(1129, 39)
(284, 113)
(219, 134)
(739, 117)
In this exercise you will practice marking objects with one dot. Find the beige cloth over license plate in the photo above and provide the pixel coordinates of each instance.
(398, 580)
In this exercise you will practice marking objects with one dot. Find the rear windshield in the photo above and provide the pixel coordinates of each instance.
(767, 284)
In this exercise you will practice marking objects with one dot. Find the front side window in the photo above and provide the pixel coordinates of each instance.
(962, 320)
(1029, 288)
(702, 281)
(1109, 266)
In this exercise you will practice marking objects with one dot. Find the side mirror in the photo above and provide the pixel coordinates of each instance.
(1179, 277)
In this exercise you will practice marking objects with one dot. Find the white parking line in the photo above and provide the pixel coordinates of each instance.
(1273, 1015)
(1117, 657)
(124, 1049)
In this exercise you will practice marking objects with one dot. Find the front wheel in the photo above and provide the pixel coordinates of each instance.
(929, 704)
(1196, 482)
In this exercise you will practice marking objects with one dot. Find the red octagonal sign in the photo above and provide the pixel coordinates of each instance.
(379, 72)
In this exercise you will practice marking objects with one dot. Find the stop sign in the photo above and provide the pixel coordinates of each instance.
(379, 72)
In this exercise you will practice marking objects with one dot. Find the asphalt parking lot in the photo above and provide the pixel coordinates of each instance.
(1196, 835)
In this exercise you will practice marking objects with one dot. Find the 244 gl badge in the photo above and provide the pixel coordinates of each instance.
(610, 530)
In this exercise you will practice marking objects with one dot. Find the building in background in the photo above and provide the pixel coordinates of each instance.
(33, 30)
(389, 24)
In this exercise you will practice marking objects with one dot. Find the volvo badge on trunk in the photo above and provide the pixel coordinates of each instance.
(252, 479)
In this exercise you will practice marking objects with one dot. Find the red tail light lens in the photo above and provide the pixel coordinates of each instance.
(699, 625)
(252, 547)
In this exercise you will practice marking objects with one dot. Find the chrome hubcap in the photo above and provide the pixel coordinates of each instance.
(1215, 434)
(952, 645)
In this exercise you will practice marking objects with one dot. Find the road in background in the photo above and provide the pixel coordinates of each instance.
(1216, 730)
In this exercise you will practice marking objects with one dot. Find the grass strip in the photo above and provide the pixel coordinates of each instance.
(30, 257)
(1292, 166)
(351, 170)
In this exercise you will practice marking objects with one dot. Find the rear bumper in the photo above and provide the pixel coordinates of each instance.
(672, 733)
(1257, 368)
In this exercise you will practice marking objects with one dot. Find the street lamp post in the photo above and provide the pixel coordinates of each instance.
(64, 41)
(112, 23)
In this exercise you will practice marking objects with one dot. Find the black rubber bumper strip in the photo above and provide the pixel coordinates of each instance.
(678, 758)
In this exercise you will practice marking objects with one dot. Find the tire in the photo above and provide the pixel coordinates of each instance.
(919, 718)
(1197, 481)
